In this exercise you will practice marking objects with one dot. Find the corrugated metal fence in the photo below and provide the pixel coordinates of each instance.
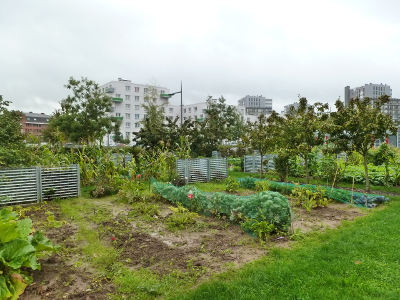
(202, 169)
(35, 184)
(252, 163)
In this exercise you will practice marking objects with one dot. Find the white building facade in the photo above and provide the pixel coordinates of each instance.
(128, 99)
(253, 106)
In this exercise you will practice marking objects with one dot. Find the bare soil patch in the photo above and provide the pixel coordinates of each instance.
(210, 245)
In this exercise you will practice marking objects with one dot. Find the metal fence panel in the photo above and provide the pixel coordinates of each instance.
(202, 169)
(252, 163)
(60, 182)
(18, 185)
(34, 184)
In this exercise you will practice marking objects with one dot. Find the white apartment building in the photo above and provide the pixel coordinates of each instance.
(128, 99)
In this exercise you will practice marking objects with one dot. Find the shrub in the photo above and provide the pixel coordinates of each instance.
(232, 185)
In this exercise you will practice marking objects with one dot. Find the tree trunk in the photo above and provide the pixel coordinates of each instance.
(367, 186)
(262, 167)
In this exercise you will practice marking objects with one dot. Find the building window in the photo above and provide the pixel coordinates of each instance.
(145, 116)
(145, 90)
(127, 106)
(127, 88)
(128, 116)
(137, 116)
(162, 92)
(201, 116)
(127, 97)
(118, 95)
(117, 114)
(171, 109)
(136, 89)
(137, 125)
(127, 135)
(127, 124)
(137, 107)
(190, 109)
(28, 119)
(184, 110)
(137, 98)
(195, 108)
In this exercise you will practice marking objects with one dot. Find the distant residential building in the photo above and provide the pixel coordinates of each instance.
(374, 91)
(371, 90)
(287, 108)
(128, 99)
(34, 123)
(253, 106)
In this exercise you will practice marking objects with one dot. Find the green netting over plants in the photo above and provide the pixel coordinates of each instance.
(358, 199)
(264, 206)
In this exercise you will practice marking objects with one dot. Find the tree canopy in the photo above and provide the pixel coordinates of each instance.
(356, 127)
(83, 115)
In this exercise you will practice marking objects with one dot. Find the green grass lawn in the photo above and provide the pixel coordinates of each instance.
(360, 260)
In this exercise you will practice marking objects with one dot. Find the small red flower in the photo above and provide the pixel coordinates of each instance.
(138, 176)
(113, 239)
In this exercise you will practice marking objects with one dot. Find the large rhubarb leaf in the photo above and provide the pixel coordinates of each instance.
(8, 231)
(24, 227)
(4, 291)
(6, 215)
(42, 243)
(15, 253)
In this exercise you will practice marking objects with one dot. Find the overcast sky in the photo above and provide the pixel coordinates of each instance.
(278, 49)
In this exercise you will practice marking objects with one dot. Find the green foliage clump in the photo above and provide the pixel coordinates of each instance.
(181, 219)
(264, 206)
(248, 183)
(18, 248)
(310, 198)
(262, 185)
(131, 192)
(232, 185)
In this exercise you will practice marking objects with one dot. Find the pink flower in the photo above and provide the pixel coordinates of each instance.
(138, 176)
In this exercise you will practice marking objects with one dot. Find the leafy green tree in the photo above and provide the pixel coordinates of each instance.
(222, 122)
(11, 139)
(385, 155)
(260, 135)
(152, 132)
(83, 115)
(358, 125)
(302, 129)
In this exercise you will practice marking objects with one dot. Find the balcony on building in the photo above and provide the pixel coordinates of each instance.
(117, 99)
(110, 90)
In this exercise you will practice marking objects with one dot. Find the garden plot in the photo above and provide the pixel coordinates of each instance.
(145, 240)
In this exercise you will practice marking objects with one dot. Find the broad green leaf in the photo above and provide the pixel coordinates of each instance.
(8, 231)
(31, 262)
(6, 214)
(16, 252)
(24, 227)
(18, 285)
(4, 291)
(42, 243)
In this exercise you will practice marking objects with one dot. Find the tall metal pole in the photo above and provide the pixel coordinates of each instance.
(181, 106)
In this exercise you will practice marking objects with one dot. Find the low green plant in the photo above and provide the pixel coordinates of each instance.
(248, 183)
(262, 186)
(147, 209)
(263, 229)
(19, 245)
(131, 192)
(181, 219)
(232, 185)
(308, 198)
